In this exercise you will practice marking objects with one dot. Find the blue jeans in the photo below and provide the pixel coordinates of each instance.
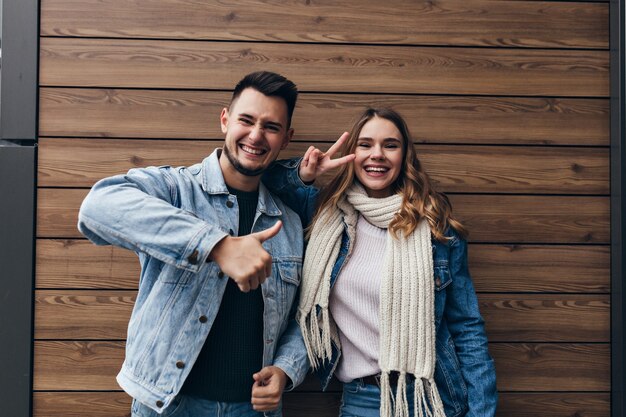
(186, 406)
(363, 400)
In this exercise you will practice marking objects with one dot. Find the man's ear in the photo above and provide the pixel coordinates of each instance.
(287, 138)
(224, 120)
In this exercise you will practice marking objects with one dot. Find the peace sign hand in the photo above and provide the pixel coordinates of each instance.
(315, 162)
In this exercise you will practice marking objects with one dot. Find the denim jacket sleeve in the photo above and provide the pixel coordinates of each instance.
(468, 334)
(138, 211)
(291, 354)
(282, 179)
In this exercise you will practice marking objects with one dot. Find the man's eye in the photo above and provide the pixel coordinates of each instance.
(273, 129)
(246, 121)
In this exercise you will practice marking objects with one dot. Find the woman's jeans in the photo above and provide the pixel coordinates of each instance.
(185, 406)
(363, 400)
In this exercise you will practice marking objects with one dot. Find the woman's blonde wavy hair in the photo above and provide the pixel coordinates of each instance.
(419, 200)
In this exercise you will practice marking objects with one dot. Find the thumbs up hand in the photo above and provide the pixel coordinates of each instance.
(244, 259)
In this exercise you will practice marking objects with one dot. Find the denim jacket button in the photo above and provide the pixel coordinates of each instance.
(193, 258)
(203, 319)
(438, 281)
(220, 274)
(180, 364)
(159, 404)
(231, 232)
(229, 204)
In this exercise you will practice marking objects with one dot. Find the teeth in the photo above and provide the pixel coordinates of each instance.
(376, 169)
(252, 150)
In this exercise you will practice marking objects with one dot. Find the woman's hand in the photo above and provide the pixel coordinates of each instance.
(315, 162)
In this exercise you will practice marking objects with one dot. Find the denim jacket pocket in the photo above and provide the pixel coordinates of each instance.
(449, 379)
(442, 281)
(290, 273)
(173, 275)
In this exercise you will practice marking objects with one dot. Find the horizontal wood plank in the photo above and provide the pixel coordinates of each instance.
(546, 318)
(70, 263)
(490, 218)
(439, 22)
(60, 365)
(324, 68)
(535, 268)
(103, 315)
(117, 404)
(82, 314)
(534, 219)
(552, 367)
(176, 114)
(453, 168)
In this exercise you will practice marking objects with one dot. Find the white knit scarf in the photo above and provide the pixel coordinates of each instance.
(407, 319)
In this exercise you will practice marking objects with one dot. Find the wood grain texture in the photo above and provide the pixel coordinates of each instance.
(61, 365)
(453, 168)
(535, 268)
(314, 404)
(103, 315)
(324, 68)
(546, 318)
(95, 315)
(440, 22)
(176, 114)
(552, 367)
(88, 366)
(69, 263)
(554, 405)
(81, 404)
(78, 264)
(490, 218)
(534, 219)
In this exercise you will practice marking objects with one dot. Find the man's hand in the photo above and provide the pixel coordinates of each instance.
(244, 260)
(268, 387)
(315, 162)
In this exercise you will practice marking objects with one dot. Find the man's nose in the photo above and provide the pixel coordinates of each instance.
(256, 132)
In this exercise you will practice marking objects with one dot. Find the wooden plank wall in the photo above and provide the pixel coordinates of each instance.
(508, 102)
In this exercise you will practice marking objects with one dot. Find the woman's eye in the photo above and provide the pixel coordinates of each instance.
(363, 145)
(391, 146)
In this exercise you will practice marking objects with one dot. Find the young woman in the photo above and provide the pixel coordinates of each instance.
(387, 304)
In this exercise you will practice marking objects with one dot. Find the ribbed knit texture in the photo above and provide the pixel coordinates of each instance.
(233, 350)
(407, 320)
(354, 303)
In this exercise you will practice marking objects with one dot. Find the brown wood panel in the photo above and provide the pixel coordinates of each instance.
(554, 404)
(81, 404)
(491, 218)
(103, 315)
(440, 22)
(322, 117)
(324, 68)
(535, 268)
(546, 318)
(78, 264)
(82, 314)
(117, 404)
(60, 365)
(534, 219)
(453, 168)
(552, 367)
(70, 263)
(89, 366)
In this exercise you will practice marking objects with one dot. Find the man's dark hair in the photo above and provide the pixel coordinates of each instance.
(271, 85)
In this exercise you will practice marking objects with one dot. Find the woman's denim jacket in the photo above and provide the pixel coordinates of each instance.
(464, 372)
(172, 218)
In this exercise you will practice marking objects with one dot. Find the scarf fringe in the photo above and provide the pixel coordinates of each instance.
(386, 396)
(426, 399)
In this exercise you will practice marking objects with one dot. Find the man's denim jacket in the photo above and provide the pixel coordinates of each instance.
(172, 218)
(464, 371)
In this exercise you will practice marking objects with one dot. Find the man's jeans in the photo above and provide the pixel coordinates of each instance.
(186, 406)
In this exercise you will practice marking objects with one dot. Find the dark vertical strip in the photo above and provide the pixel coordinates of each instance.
(18, 136)
(618, 223)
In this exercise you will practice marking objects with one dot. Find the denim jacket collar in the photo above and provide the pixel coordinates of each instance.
(213, 183)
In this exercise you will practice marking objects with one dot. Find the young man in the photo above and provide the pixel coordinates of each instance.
(212, 330)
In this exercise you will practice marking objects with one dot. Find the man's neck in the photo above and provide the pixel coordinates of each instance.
(235, 179)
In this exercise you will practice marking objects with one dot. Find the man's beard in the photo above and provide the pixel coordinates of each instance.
(240, 168)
